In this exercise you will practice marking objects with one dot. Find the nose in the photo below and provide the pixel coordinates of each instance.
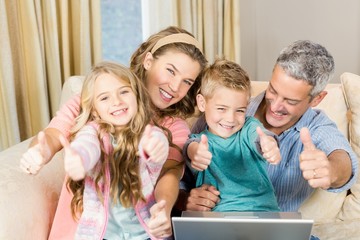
(230, 117)
(116, 100)
(174, 84)
(276, 104)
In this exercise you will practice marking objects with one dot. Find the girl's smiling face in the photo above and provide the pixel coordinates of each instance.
(114, 101)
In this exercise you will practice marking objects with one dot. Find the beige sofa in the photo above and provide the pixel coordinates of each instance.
(28, 203)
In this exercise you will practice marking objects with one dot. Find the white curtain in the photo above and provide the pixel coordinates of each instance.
(215, 23)
(43, 42)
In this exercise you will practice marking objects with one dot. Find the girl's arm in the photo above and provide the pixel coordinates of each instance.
(82, 154)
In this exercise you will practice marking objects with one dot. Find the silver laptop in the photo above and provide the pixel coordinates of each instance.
(241, 226)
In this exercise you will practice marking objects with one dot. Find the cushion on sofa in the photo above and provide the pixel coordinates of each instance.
(351, 87)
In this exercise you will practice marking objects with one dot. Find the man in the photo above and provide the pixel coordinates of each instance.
(314, 153)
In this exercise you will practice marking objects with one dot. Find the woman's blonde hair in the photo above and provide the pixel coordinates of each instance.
(185, 107)
(124, 165)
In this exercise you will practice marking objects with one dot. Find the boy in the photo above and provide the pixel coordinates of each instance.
(231, 153)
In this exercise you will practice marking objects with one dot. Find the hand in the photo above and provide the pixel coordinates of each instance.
(159, 223)
(314, 163)
(154, 147)
(202, 157)
(203, 198)
(269, 147)
(35, 157)
(72, 161)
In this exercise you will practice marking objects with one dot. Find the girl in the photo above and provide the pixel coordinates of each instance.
(115, 198)
(169, 63)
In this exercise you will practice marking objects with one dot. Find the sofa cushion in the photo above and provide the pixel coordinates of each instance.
(71, 87)
(334, 105)
(351, 87)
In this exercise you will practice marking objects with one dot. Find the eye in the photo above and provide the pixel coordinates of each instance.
(104, 98)
(123, 92)
(188, 82)
(220, 109)
(292, 103)
(241, 111)
(172, 72)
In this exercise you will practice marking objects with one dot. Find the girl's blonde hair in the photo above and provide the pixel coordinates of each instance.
(185, 107)
(124, 165)
(224, 73)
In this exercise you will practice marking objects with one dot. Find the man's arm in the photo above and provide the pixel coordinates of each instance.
(340, 168)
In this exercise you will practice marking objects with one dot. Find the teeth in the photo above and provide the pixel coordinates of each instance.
(165, 94)
(226, 126)
(118, 112)
(278, 114)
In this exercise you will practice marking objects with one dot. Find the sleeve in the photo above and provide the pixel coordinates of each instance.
(64, 119)
(87, 144)
(192, 138)
(180, 132)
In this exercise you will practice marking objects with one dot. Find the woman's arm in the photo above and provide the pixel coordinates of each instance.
(46, 144)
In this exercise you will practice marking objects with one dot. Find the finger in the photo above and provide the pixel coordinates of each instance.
(41, 139)
(204, 141)
(158, 207)
(260, 132)
(306, 139)
(147, 131)
(213, 190)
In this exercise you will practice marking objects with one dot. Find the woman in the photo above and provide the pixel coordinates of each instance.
(170, 64)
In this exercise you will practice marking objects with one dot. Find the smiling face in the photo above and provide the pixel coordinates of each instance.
(114, 101)
(224, 111)
(287, 99)
(169, 77)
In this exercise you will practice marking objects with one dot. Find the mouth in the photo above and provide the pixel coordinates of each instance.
(277, 114)
(165, 95)
(228, 127)
(119, 112)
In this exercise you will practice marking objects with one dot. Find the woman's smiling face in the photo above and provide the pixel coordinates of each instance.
(169, 77)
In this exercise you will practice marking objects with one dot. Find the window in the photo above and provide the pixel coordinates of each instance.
(121, 29)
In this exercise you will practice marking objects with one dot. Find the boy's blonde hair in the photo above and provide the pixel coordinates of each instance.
(224, 73)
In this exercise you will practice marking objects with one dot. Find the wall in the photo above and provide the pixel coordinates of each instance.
(269, 25)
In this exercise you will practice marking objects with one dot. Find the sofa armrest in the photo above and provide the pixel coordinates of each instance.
(28, 202)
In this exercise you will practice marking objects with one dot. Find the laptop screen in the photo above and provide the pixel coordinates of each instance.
(241, 226)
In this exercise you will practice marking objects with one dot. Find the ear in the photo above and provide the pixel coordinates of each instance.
(201, 103)
(148, 60)
(317, 99)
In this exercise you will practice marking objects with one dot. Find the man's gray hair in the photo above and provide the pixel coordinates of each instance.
(308, 61)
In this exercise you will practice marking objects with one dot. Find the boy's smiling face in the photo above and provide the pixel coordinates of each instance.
(224, 111)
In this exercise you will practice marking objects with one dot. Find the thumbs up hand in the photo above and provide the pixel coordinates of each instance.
(202, 157)
(156, 148)
(37, 156)
(160, 222)
(314, 163)
(269, 147)
(72, 161)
